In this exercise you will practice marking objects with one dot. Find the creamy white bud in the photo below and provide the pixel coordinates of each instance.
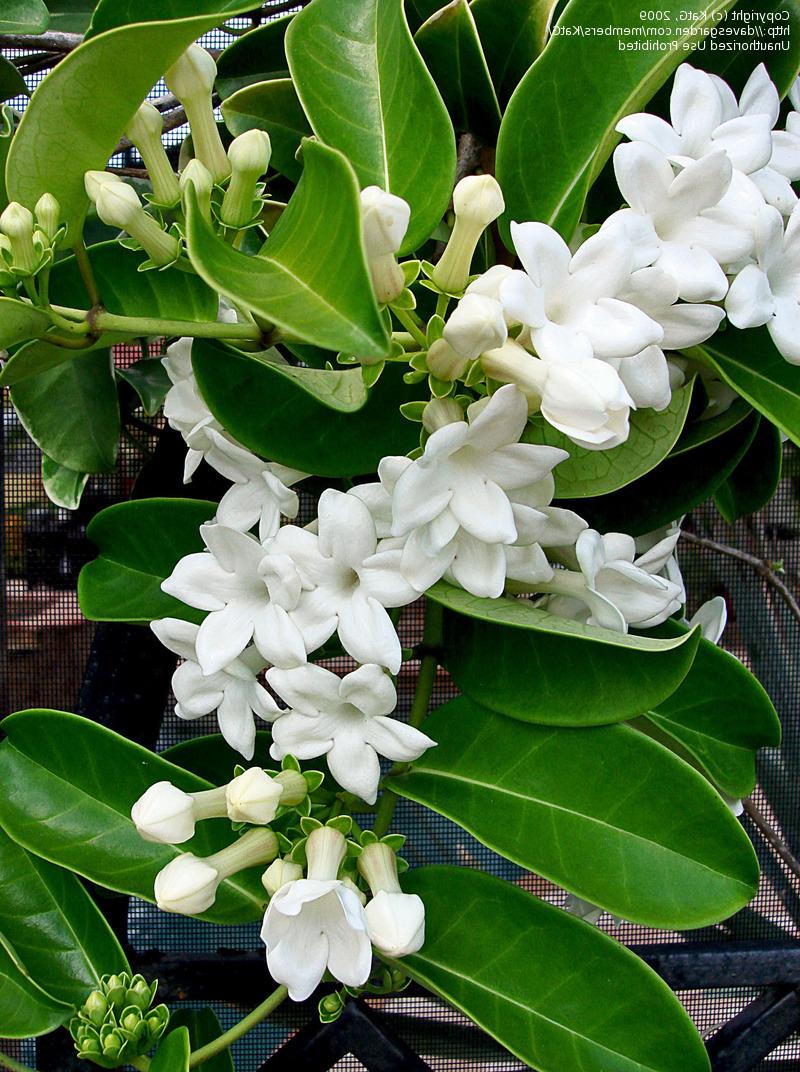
(187, 885)
(16, 223)
(192, 74)
(118, 205)
(249, 158)
(444, 362)
(396, 923)
(144, 130)
(477, 324)
(478, 199)
(384, 222)
(191, 79)
(253, 797)
(511, 363)
(197, 175)
(279, 873)
(439, 412)
(477, 202)
(94, 180)
(48, 215)
(164, 814)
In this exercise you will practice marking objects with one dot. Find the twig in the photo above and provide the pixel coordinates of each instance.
(760, 565)
(772, 836)
(469, 156)
(131, 172)
(55, 41)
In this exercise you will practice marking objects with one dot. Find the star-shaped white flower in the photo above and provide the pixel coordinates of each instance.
(344, 719)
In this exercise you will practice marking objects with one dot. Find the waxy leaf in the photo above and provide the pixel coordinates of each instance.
(258, 56)
(56, 117)
(12, 84)
(556, 992)
(64, 486)
(140, 543)
(606, 813)
(526, 663)
(54, 926)
(512, 33)
(274, 107)
(69, 788)
(20, 321)
(755, 479)
(311, 278)
(587, 473)
(353, 428)
(149, 380)
(25, 1010)
(558, 131)
(736, 65)
(452, 50)
(24, 17)
(203, 1027)
(366, 91)
(753, 366)
(173, 1052)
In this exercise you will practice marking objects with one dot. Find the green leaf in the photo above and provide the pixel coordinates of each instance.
(25, 1010)
(57, 114)
(751, 363)
(173, 1052)
(149, 380)
(212, 758)
(54, 926)
(559, 994)
(311, 278)
(673, 488)
(755, 479)
(140, 543)
(20, 321)
(239, 390)
(452, 50)
(720, 715)
(653, 843)
(274, 107)
(736, 65)
(64, 486)
(571, 120)
(69, 788)
(513, 33)
(366, 91)
(12, 84)
(71, 411)
(258, 56)
(203, 1027)
(8, 125)
(588, 473)
(24, 17)
(70, 16)
(528, 664)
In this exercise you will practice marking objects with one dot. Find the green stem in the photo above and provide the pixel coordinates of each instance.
(87, 274)
(441, 304)
(100, 320)
(431, 639)
(411, 323)
(261, 1012)
(12, 1065)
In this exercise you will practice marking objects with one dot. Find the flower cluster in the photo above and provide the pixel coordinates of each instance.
(118, 1021)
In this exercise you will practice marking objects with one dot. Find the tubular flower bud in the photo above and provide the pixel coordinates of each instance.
(477, 202)
(118, 205)
(395, 920)
(16, 223)
(94, 180)
(166, 815)
(188, 884)
(446, 363)
(249, 156)
(279, 873)
(198, 176)
(294, 787)
(384, 221)
(477, 324)
(253, 797)
(191, 79)
(48, 215)
(439, 412)
(144, 130)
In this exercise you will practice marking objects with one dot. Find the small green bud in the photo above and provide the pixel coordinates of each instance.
(131, 1018)
(144, 130)
(48, 216)
(16, 223)
(95, 1007)
(140, 993)
(112, 1041)
(197, 175)
(249, 158)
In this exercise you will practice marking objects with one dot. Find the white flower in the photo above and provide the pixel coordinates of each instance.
(712, 617)
(348, 581)
(234, 691)
(248, 589)
(570, 303)
(384, 222)
(253, 797)
(184, 407)
(677, 222)
(768, 292)
(396, 923)
(187, 885)
(476, 324)
(164, 814)
(463, 501)
(317, 923)
(345, 720)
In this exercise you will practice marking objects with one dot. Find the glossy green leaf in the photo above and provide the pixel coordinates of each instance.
(56, 115)
(720, 715)
(212, 758)
(69, 788)
(173, 1052)
(203, 1027)
(702, 429)
(751, 363)
(674, 487)
(71, 411)
(25, 1010)
(606, 813)
(782, 60)
(64, 486)
(755, 479)
(20, 321)
(558, 131)
(311, 278)
(528, 664)
(70, 16)
(149, 380)
(258, 56)
(587, 473)
(239, 390)
(513, 33)
(366, 91)
(559, 994)
(54, 926)
(452, 50)
(12, 84)
(140, 543)
(23, 17)
(274, 107)
(8, 125)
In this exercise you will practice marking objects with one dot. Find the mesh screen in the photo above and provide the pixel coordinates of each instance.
(46, 641)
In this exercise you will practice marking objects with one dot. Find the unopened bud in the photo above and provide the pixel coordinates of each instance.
(439, 412)
(444, 362)
(477, 324)
(16, 223)
(294, 788)
(144, 130)
(511, 363)
(249, 156)
(477, 202)
(253, 797)
(118, 205)
(48, 215)
(384, 221)
(164, 814)
(94, 180)
(191, 79)
(279, 873)
(395, 920)
(95, 1007)
(198, 176)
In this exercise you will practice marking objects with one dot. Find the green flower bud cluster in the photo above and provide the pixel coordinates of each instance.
(118, 1021)
(27, 239)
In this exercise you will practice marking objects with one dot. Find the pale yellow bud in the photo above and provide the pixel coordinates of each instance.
(144, 130)
(198, 176)
(191, 79)
(48, 215)
(249, 158)
(444, 362)
(279, 873)
(16, 223)
(477, 202)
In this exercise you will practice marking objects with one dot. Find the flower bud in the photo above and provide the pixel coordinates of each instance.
(439, 412)
(16, 223)
(48, 216)
(164, 814)
(198, 176)
(444, 362)
(294, 788)
(116, 1022)
(191, 79)
(253, 797)
(249, 156)
(384, 222)
(94, 180)
(378, 864)
(396, 923)
(477, 202)
(511, 363)
(279, 873)
(144, 130)
(477, 324)
(325, 849)
(118, 205)
(95, 1007)
(187, 885)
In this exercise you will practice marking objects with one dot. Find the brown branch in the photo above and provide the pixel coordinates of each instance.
(772, 836)
(130, 172)
(55, 41)
(469, 156)
(172, 119)
(760, 565)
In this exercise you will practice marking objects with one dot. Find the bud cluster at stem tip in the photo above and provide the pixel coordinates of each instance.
(118, 1021)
